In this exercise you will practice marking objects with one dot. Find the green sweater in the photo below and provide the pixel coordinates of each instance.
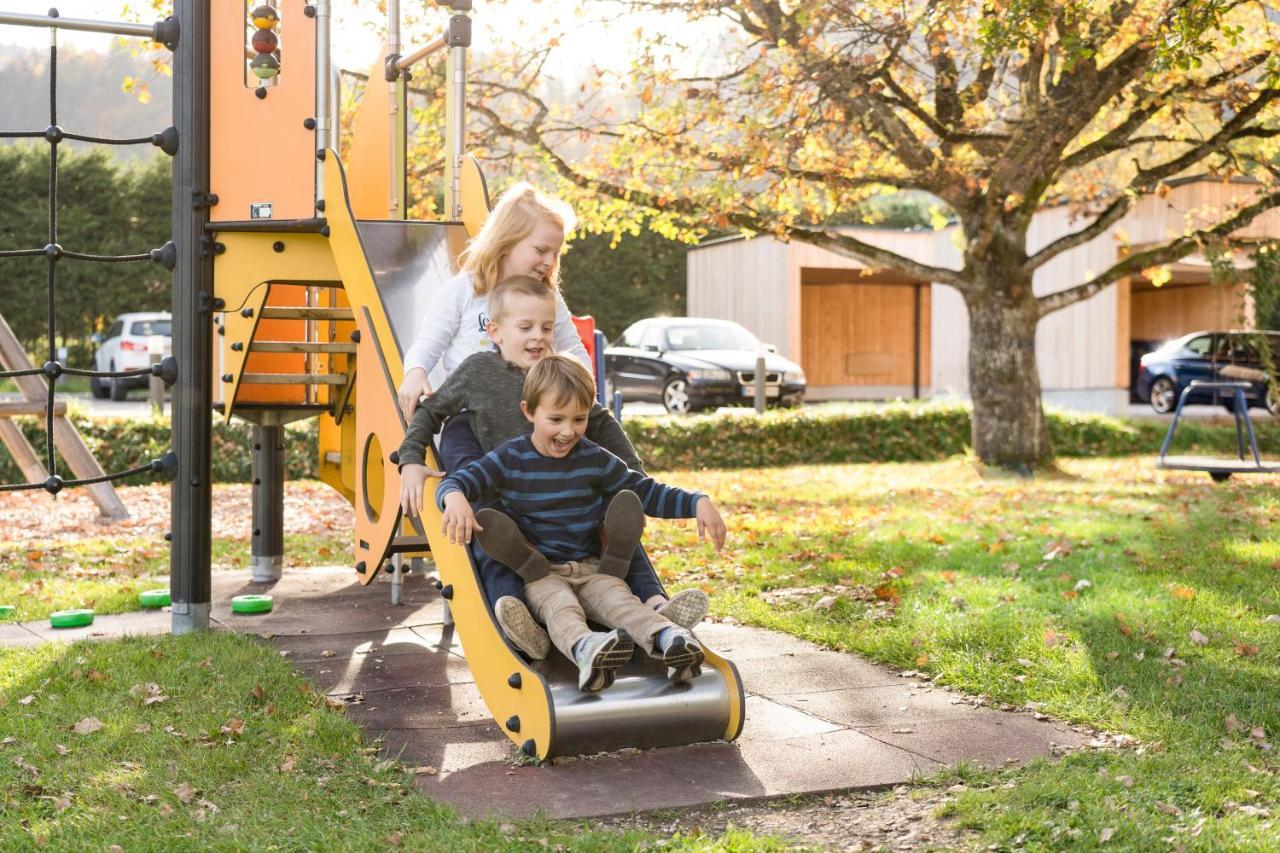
(487, 388)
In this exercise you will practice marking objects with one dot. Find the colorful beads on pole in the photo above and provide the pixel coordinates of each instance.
(265, 43)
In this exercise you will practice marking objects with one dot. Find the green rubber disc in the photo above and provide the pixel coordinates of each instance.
(71, 618)
(7, 610)
(155, 598)
(251, 604)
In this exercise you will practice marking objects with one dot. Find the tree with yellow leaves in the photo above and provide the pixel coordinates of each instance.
(993, 108)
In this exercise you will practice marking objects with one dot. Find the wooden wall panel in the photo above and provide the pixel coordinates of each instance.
(863, 334)
(744, 281)
(1158, 314)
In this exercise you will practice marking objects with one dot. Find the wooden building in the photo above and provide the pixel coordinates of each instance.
(865, 333)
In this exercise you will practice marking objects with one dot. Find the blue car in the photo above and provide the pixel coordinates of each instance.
(1214, 356)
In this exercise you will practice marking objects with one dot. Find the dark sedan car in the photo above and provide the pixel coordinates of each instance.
(1217, 356)
(688, 363)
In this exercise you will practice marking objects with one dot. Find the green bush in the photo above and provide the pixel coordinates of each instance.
(123, 444)
(897, 432)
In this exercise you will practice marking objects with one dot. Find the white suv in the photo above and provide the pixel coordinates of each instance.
(127, 346)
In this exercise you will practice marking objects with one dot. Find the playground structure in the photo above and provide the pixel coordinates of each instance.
(1219, 469)
(300, 283)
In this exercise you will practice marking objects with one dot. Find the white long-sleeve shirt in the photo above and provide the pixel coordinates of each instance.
(453, 328)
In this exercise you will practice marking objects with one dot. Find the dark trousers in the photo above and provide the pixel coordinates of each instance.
(458, 446)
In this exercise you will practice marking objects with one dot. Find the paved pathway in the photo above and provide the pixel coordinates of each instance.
(817, 720)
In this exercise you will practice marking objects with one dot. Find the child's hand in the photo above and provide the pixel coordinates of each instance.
(414, 386)
(413, 482)
(458, 520)
(710, 524)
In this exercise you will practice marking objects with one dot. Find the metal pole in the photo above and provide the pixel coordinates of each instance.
(155, 388)
(268, 502)
(85, 25)
(456, 112)
(189, 555)
(404, 62)
(324, 118)
(760, 385)
(396, 98)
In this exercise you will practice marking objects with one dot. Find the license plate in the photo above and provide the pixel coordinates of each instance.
(750, 391)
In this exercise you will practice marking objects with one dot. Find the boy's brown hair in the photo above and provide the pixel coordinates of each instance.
(526, 285)
(558, 379)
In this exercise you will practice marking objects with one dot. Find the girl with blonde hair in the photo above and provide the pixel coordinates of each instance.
(522, 235)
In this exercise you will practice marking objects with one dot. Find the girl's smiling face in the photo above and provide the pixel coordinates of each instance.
(536, 254)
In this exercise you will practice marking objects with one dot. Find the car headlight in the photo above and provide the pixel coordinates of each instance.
(793, 377)
(710, 374)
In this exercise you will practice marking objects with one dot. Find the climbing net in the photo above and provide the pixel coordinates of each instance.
(54, 253)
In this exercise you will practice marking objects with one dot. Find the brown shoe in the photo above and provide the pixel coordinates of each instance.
(521, 628)
(502, 540)
(686, 608)
(620, 533)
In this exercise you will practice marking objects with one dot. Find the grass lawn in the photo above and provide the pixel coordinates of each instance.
(1112, 595)
(212, 742)
(1138, 602)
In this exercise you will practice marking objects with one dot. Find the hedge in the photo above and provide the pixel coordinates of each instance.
(895, 432)
(123, 444)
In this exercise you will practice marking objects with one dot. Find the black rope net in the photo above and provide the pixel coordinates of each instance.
(54, 253)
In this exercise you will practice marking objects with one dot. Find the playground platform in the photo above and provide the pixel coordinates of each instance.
(817, 720)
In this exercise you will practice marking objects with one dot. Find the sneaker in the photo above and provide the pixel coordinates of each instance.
(501, 539)
(686, 608)
(520, 627)
(680, 653)
(598, 654)
(620, 533)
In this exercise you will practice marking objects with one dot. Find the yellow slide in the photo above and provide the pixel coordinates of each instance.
(388, 271)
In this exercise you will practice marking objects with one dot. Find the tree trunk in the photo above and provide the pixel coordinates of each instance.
(1009, 429)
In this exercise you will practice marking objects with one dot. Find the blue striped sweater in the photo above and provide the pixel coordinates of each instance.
(559, 503)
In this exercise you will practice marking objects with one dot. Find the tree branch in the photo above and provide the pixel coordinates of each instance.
(1118, 137)
(1161, 254)
(845, 244)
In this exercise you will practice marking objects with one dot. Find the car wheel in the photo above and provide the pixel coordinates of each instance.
(675, 397)
(119, 390)
(97, 389)
(1164, 395)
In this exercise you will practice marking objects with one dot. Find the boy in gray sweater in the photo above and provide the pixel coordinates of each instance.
(486, 389)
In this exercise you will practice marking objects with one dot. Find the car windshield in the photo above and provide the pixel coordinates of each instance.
(150, 327)
(710, 337)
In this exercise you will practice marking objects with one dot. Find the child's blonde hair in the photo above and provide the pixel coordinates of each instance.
(558, 379)
(525, 285)
(513, 218)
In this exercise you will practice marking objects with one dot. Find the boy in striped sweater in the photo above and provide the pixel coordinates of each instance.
(555, 532)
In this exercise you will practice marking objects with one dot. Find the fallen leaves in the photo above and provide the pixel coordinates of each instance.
(87, 726)
(185, 793)
(1197, 638)
(148, 694)
(233, 726)
(27, 700)
(1183, 593)
(1244, 649)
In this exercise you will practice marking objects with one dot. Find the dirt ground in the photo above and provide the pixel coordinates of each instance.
(900, 819)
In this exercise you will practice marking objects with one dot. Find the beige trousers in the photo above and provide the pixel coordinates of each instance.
(575, 592)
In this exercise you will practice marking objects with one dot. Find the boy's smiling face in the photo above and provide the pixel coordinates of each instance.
(523, 333)
(557, 426)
